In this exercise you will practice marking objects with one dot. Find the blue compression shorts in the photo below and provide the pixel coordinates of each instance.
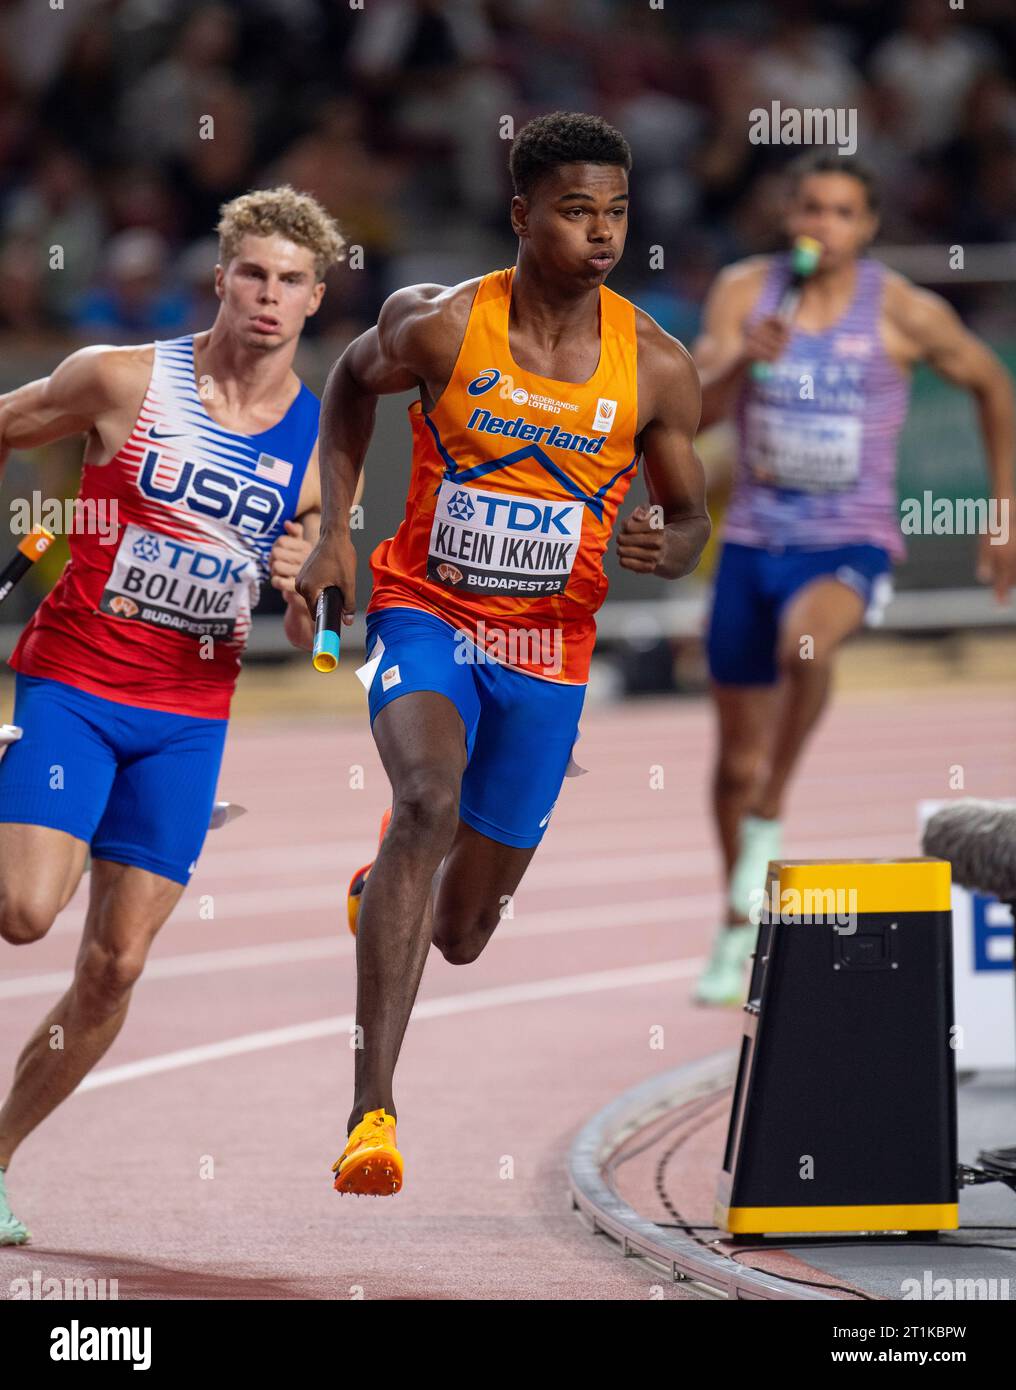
(752, 588)
(520, 729)
(137, 785)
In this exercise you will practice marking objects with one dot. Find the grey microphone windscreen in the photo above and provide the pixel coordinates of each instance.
(979, 840)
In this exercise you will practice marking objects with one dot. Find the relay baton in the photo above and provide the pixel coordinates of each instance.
(327, 628)
(804, 259)
(28, 551)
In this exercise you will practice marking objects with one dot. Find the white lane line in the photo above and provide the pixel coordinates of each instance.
(575, 871)
(499, 997)
(284, 901)
(628, 914)
(263, 902)
(351, 847)
(196, 963)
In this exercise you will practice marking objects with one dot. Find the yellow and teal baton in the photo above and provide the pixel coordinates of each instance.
(327, 628)
(805, 255)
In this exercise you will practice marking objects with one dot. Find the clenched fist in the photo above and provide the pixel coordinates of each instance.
(640, 542)
(767, 339)
(288, 555)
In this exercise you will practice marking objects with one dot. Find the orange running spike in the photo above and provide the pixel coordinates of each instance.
(370, 1165)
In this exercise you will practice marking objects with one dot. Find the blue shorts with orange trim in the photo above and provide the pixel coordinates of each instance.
(519, 729)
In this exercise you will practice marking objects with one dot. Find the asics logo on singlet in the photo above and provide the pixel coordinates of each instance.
(548, 435)
(484, 381)
(245, 505)
(461, 506)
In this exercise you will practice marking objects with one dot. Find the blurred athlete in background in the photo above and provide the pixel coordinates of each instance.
(813, 527)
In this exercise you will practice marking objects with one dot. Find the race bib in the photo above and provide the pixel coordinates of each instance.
(495, 542)
(189, 587)
(786, 449)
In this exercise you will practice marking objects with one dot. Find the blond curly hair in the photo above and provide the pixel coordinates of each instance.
(297, 216)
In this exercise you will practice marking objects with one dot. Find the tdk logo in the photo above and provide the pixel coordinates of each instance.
(460, 506)
(550, 435)
(482, 383)
(146, 548)
(246, 506)
(517, 515)
(200, 564)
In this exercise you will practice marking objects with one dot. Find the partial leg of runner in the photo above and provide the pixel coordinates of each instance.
(478, 877)
(424, 889)
(476, 754)
(127, 906)
(422, 746)
(762, 733)
(745, 715)
(40, 869)
(815, 623)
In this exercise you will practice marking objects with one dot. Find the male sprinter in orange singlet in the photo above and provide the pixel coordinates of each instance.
(126, 670)
(539, 391)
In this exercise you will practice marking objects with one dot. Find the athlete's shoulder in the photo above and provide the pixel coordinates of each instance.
(909, 306)
(112, 365)
(657, 347)
(732, 298)
(901, 297)
(742, 279)
(668, 378)
(418, 321)
(100, 377)
(428, 304)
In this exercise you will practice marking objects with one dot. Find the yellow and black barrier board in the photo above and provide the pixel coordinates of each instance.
(844, 1109)
(944, 1216)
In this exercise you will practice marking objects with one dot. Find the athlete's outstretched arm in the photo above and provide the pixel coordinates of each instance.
(82, 389)
(391, 357)
(670, 541)
(961, 358)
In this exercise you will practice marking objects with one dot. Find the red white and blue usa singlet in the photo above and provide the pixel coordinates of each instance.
(198, 509)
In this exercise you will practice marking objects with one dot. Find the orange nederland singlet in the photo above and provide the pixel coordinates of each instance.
(516, 482)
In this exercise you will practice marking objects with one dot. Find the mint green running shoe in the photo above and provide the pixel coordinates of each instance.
(12, 1231)
(761, 841)
(723, 980)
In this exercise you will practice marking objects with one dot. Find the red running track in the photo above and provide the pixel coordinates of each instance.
(235, 1060)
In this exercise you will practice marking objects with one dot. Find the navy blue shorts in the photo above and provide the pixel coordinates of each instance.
(754, 585)
(520, 729)
(137, 785)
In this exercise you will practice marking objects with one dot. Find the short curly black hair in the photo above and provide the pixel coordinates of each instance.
(564, 137)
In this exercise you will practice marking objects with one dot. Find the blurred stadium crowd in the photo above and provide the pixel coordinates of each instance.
(392, 114)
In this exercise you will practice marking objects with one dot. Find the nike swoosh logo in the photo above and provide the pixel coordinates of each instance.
(154, 434)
